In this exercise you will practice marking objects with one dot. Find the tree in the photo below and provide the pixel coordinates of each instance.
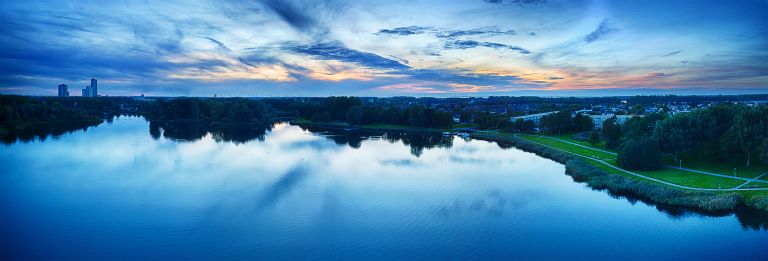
(417, 116)
(465, 116)
(611, 133)
(354, 115)
(673, 135)
(240, 113)
(637, 109)
(521, 125)
(747, 130)
(764, 151)
(639, 154)
(558, 122)
(594, 138)
(582, 123)
(321, 117)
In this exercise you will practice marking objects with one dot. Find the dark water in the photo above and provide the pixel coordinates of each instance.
(117, 192)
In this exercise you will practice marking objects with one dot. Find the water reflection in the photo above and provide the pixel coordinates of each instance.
(195, 131)
(284, 184)
(292, 193)
(34, 132)
(417, 142)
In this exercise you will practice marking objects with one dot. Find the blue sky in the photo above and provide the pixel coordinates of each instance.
(385, 48)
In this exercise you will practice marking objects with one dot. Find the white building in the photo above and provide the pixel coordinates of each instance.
(536, 118)
(599, 119)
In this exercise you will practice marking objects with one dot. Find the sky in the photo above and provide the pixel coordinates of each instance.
(385, 48)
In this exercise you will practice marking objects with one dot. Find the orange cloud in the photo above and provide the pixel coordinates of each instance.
(412, 87)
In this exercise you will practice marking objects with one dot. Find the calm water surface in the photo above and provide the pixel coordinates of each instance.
(115, 192)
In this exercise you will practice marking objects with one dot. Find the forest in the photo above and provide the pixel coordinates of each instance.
(719, 132)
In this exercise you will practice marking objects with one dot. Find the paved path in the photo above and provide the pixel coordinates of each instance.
(643, 176)
(753, 179)
(670, 166)
(719, 175)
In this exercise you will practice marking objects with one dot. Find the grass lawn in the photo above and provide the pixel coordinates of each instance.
(301, 121)
(567, 137)
(464, 125)
(687, 178)
(693, 162)
(756, 185)
(691, 179)
(679, 177)
(725, 168)
(569, 147)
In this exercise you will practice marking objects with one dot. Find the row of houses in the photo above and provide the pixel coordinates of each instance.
(597, 119)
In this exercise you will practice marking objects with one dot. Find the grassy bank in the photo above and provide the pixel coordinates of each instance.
(667, 174)
(600, 176)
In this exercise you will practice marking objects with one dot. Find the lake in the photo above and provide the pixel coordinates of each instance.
(127, 190)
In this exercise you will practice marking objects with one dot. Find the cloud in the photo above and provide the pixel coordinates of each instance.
(602, 30)
(291, 13)
(218, 43)
(463, 76)
(409, 30)
(517, 2)
(483, 31)
(672, 53)
(469, 88)
(422, 87)
(657, 75)
(443, 33)
(468, 44)
(337, 51)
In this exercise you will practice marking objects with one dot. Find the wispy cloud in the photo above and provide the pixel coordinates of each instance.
(338, 51)
(468, 44)
(672, 53)
(409, 30)
(445, 33)
(605, 28)
(517, 2)
(484, 31)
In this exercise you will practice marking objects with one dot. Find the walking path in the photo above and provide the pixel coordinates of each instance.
(718, 175)
(670, 166)
(640, 175)
(753, 179)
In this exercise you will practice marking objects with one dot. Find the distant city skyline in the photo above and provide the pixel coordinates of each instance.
(392, 48)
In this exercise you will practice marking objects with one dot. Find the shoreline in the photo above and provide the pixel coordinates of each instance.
(581, 171)
(706, 202)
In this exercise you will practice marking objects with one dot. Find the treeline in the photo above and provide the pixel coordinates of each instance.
(722, 131)
(18, 113)
(562, 122)
(217, 111)
(351, 110)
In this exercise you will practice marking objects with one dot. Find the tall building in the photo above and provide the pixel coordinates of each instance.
(63, 92)
(94, 88)
(91, 90)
